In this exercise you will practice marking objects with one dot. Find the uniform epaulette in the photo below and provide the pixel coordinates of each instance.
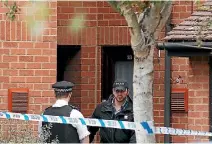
(74, 107)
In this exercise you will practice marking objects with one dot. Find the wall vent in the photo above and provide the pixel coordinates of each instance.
(18, 100)
(179, 100)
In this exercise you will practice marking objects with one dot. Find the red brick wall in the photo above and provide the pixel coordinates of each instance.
(34, 64)
(158, 92)
(103, 27)
(181, 10)
(180, 68)
(198, 116)
(26, 61)
(86, 60)
(195, 73)
(195, 76)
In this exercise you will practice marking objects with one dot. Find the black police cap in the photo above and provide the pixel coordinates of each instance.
(63, 86)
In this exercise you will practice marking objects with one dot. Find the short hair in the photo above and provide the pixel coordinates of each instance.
(61, 94)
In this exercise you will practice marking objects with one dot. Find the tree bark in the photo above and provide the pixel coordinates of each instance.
(151, 21)
(142, 96)
(144, 30)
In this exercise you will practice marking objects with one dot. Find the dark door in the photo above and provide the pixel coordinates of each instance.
(117, 62)
(65, 55)
(68, 66)
(124, 70)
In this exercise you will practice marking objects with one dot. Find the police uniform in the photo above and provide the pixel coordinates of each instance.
(65, 133)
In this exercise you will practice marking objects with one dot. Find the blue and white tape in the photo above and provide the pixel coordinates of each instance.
(145, 126)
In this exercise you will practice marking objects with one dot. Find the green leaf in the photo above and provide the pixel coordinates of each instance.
(13, 17)
(14, 7)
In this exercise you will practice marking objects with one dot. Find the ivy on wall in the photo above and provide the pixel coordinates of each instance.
(12, 9)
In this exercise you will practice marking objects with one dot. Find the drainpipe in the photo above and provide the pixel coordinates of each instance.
(167, 98)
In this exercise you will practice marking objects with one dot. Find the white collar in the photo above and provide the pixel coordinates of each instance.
(60, 103)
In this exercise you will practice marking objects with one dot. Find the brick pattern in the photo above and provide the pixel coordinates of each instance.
(182, 67)
(109, 28)
(198, 115)
(31, 62)
(179, 67)
(195, 75)
(103, 26)
(179, 120)
(90, 86)
(87, 38)
(66, 12)
(183, 9)
(158, 85)
(26, 61)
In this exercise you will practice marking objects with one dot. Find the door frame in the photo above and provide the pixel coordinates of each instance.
(114, 53)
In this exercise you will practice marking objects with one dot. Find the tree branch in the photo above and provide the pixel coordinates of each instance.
(164, 15)
(156, 17)
(145, 28)
(137, 37)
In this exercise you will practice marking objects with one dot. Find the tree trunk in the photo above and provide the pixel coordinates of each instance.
(142, 94)
(144, 30)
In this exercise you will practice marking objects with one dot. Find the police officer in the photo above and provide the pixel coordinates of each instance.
(65, 133)
(119, 106)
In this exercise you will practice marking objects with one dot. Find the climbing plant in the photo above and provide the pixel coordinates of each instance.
(12, 9)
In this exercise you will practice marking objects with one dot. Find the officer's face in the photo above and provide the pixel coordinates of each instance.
(120, 95)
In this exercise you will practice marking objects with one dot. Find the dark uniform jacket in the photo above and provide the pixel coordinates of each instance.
(65, 133)
(106, 111)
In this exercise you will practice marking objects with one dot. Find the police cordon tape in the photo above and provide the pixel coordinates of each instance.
(146, 126)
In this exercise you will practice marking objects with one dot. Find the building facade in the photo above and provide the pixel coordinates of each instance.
(92, 58)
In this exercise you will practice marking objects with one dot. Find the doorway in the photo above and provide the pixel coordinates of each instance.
(117, 63)
(66, 59)
(68, 69)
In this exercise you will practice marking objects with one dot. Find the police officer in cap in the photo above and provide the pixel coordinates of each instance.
(65, 133)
